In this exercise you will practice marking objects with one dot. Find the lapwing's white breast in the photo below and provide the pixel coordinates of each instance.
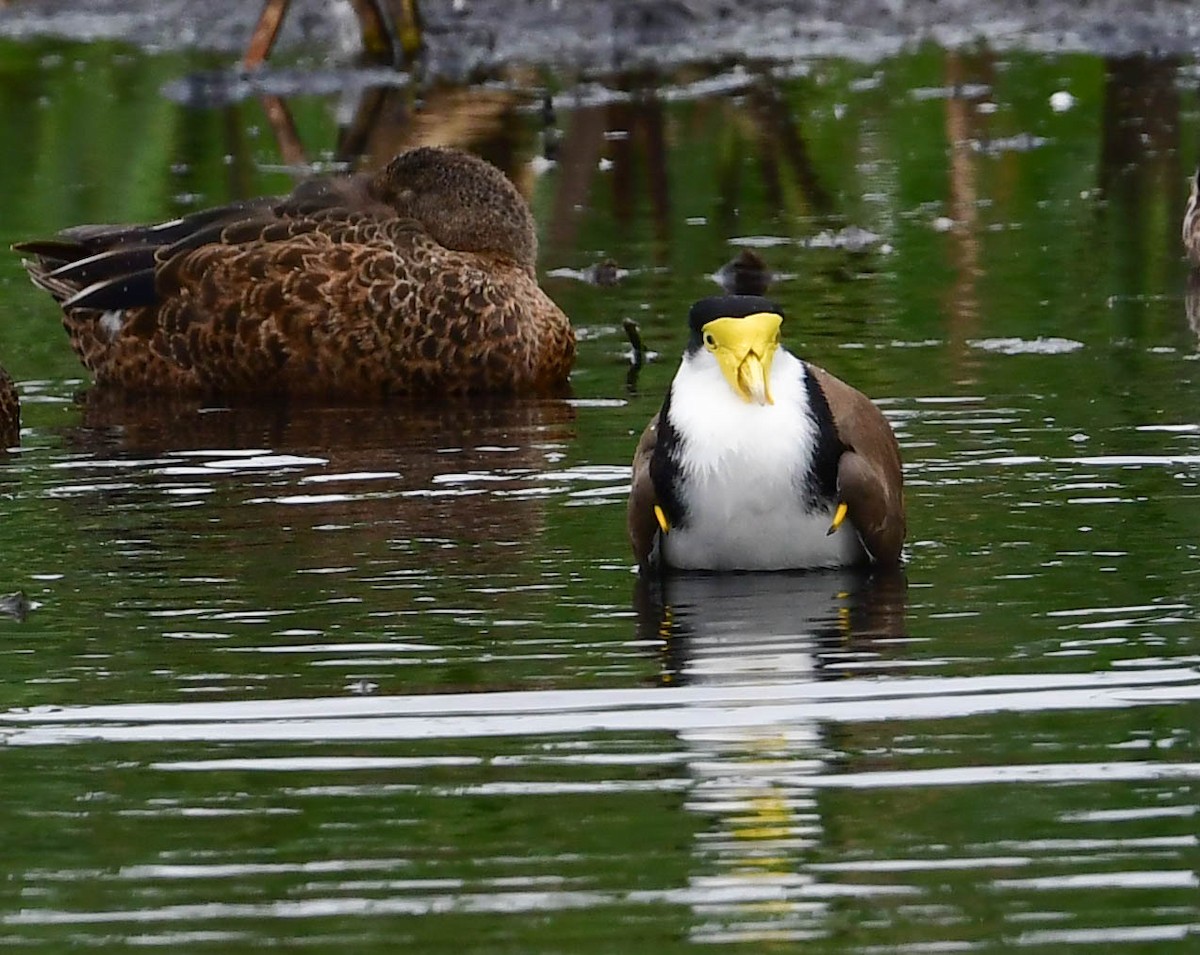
(743, 474)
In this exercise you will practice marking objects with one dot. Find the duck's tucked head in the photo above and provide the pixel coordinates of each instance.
(740, 333)
(745, 274)
(464, 202)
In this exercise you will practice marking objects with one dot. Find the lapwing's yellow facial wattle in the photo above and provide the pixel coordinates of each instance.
(745, 348)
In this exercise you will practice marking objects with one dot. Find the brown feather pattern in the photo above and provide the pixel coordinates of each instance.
(417, 280)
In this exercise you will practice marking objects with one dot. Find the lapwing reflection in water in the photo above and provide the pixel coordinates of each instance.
(754, 880)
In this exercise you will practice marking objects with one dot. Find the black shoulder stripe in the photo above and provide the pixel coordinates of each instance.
(821, 486)
(665, 470)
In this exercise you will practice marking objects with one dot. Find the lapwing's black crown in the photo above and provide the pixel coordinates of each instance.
(728, 306)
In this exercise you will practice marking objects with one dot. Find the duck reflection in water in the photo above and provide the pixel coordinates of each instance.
(1191, 301)
(455, 470)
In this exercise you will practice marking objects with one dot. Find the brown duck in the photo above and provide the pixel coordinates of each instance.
(418, 279)
(10, 412)
(1191, 221)
(758, 460)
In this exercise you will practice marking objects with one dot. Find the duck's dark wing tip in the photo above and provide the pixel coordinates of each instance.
(56, 249)
(124, 291)
(116, 263)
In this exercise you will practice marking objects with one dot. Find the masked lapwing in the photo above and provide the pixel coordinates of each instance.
(758, 460)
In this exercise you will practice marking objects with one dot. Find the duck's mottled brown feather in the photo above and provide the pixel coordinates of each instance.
(417, 280)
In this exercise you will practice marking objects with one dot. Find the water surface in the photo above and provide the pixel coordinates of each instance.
(371, 678)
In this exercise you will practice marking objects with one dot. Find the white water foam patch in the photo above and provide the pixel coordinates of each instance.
(263, 462)
(1027, 346)
(351, 476)
(760, 241)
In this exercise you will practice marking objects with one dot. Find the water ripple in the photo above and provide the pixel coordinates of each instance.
(587, 711)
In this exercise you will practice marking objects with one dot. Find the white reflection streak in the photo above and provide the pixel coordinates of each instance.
(1007, 773)
(1105, 460)
(1168, 879)
(854, 692)
(1113, 935)
(745, 893)
(317, 764)
(1126, 815)
(682, 709)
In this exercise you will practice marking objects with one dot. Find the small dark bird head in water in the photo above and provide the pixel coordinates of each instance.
(15, 605)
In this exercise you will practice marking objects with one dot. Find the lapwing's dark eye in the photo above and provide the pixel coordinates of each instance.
(710, 341)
